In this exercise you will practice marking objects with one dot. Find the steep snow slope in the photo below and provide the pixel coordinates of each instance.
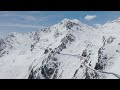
(109, 52)
(67, 50)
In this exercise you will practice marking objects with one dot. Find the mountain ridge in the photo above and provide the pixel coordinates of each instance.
(67, 50)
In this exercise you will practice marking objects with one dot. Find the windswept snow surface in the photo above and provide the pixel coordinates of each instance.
(67, 50)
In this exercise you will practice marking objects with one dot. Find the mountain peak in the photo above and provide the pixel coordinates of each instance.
(13, 34)
(70, 20)
(67, 50)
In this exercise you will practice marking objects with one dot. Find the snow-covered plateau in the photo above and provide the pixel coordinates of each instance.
(67, 50)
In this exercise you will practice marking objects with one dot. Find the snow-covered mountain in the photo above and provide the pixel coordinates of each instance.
(67, 50)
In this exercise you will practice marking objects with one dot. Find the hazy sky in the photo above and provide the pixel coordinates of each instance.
(26, 21)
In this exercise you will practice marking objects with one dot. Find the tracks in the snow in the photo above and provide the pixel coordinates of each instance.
(116, 75)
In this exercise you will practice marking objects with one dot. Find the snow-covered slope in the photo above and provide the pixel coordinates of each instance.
(67, 50)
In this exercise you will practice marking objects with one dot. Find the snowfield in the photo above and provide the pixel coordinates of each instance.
(67, 50)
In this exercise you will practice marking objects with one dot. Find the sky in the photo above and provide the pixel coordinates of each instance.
(27, 21)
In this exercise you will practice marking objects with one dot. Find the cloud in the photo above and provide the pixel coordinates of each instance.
(21, 25)
(13, 15)
(89, 17)
(29, 18)
(6, 14)
(36, 12)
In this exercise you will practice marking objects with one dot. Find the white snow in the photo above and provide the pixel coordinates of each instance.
(15, 64)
